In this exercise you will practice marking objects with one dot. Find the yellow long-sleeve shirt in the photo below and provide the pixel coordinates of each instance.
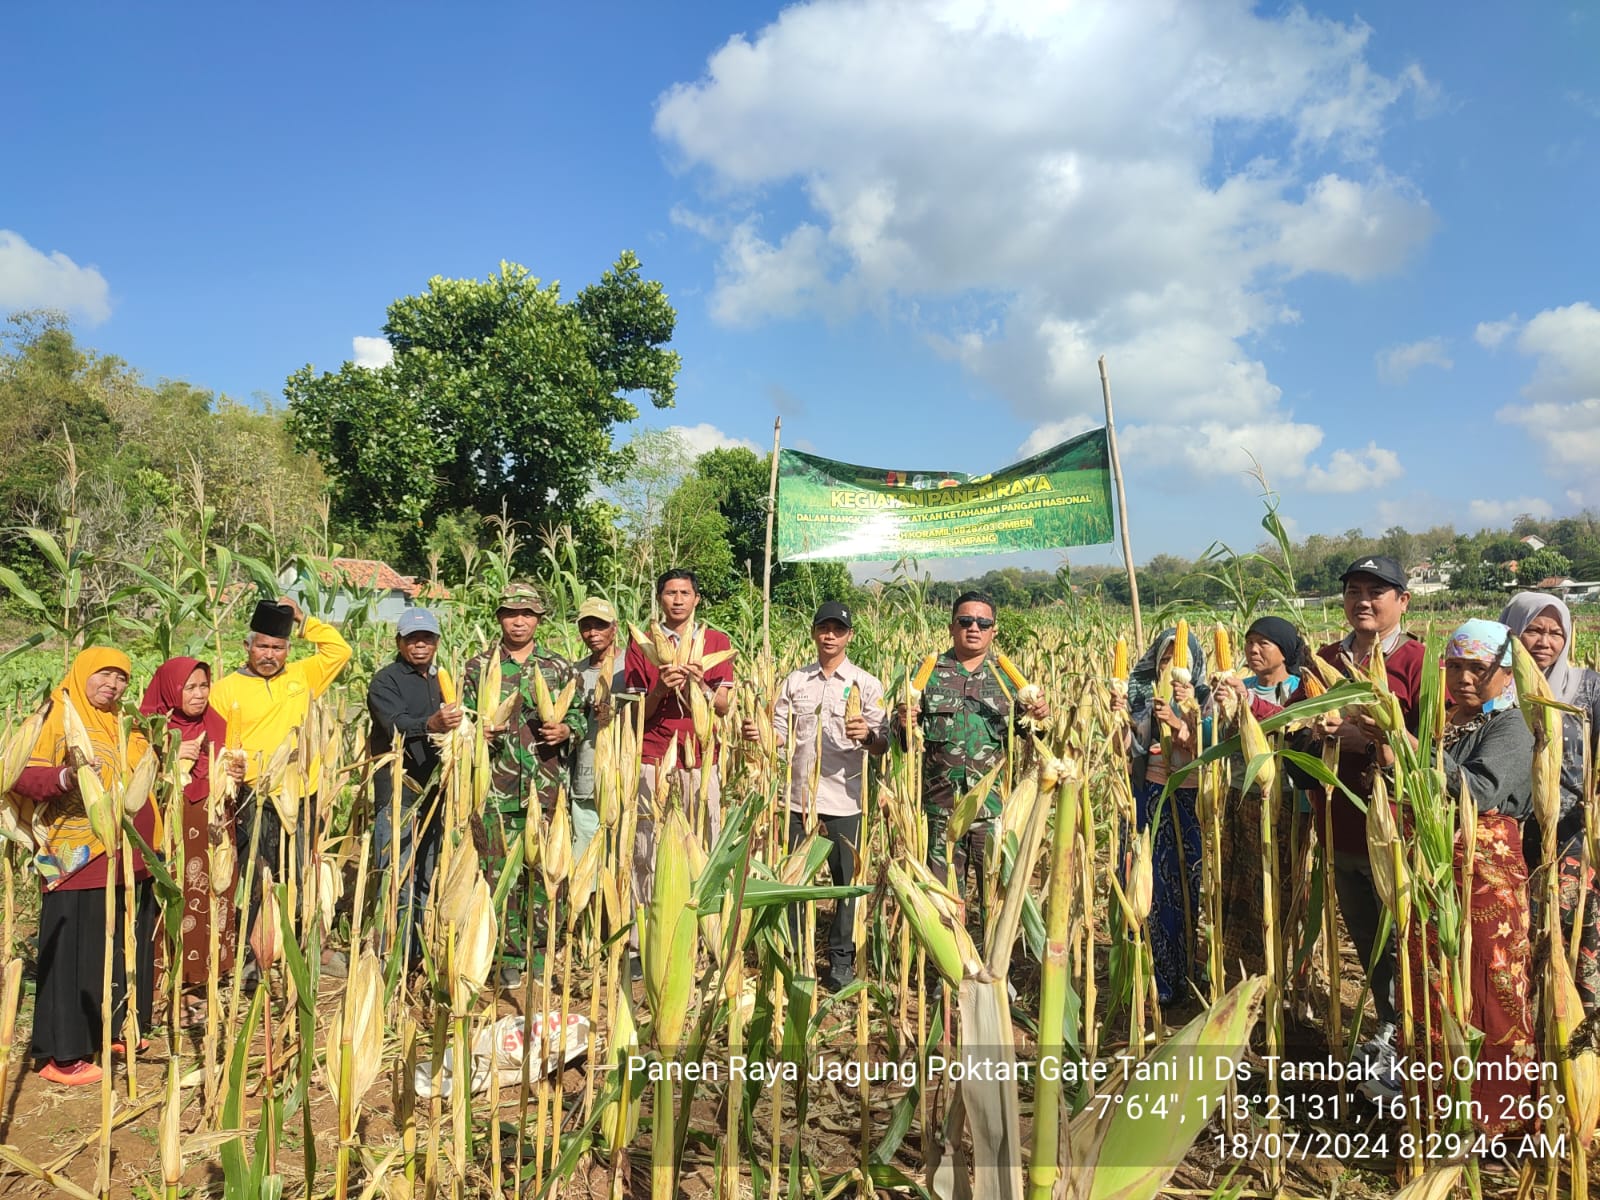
(270, 710)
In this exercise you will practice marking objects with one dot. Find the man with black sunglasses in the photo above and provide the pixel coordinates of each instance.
(967, 714)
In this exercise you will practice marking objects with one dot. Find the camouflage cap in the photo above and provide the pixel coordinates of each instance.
(524, 596)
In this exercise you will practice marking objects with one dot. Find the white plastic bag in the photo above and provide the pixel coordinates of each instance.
(501, 1046)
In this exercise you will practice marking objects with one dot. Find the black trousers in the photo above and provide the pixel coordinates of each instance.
(841, 834)
(269, 851)
(71, 986)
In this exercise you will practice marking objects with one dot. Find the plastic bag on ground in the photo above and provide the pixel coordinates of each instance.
(501, 1046)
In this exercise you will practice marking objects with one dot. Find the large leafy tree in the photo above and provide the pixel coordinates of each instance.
(500, 397)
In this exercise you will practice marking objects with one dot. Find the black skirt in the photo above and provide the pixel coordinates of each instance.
(72, 947)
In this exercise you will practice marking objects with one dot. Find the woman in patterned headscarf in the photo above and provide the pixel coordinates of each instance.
(71, 862)
(1544, 626)
(1487, 754)
(1175, 843)
(181, 691)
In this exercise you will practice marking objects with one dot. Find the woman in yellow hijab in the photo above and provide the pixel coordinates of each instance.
(71, 862)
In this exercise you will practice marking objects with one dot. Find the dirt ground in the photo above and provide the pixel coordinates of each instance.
(57, 1128)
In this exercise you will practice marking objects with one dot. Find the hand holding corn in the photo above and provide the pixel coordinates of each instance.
(446, 719)
(553, 733)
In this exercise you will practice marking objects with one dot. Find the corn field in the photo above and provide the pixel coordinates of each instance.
(1029, 1056)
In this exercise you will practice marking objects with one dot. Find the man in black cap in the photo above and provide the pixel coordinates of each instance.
(265, 702)
(828, 792)
(1376, 597)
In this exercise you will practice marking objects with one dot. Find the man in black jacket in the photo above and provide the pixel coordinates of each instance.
(406, 699)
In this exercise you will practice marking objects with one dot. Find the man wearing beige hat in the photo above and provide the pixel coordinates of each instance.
(597, 626)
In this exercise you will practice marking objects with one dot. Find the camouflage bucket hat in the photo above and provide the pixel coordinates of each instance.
(521, 595)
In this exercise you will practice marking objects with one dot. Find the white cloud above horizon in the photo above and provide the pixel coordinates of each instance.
(371, 352)
(1499, 513)
(998, 180)
(698, 439)
(1396, 364)
(1489, 334)
(30, 278)
(1561, 408)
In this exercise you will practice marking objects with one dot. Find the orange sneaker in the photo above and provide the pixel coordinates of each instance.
(73, 1074)
(120, 1048)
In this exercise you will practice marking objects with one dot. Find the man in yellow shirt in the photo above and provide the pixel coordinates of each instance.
(265, 702)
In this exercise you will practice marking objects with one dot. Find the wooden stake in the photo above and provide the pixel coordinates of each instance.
(1122, 506)
(766, 566)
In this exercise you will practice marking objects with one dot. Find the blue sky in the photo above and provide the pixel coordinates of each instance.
(1358, 244)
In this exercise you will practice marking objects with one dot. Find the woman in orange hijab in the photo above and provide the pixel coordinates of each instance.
(72, 870)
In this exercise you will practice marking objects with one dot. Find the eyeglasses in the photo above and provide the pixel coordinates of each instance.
(981, 622)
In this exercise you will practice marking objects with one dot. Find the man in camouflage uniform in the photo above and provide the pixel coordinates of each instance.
(966, 715)
(527, 758)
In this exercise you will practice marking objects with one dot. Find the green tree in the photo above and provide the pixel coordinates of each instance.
(1542, 564)
(499, 395)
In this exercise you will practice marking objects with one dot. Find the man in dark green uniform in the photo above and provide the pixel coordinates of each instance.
(967, 714)
(528, 758)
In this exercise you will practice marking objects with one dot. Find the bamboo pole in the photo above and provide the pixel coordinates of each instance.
(766, 566)
(1122, 505)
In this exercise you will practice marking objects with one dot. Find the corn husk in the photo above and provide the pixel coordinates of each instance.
(1581, 1067)
(1391, 878)
(76, 733)
(700, 709)
(330, 886)
(1141, 879)
(98, 805)
(668, 939)
(949, 946)
(489, 683)
(558, 845)
(475, 940)
(585, 876)
(136, 792)
(619, 1122)
(1254, 744)
(852, 703)
(18, 748)
(362, 1014)
(716, 658)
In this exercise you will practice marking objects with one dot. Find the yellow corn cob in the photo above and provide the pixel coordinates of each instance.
(852, 703)
(1223, 651)
(919, 681)
(1311, 684)
(1180, 646)
(1010, 670)
(447, 687)
(1119, 661)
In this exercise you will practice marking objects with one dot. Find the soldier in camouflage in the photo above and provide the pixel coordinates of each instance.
(527, 758)
(967, 717)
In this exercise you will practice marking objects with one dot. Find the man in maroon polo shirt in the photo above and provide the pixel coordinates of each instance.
(1375, 602)
(667, 715)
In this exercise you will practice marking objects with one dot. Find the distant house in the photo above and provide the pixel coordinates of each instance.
(1427, 577)
(360, 583)
(1534, 542)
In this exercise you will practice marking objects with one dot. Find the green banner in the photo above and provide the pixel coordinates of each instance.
(834, 510)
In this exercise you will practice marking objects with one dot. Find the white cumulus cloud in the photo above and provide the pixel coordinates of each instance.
(705, 436)
(1359, 471)
(1503, 512)
(30, 278)
(1489, 334)
(1561, 403)
(1030, 186)
(1396, 363)
(371, 352)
